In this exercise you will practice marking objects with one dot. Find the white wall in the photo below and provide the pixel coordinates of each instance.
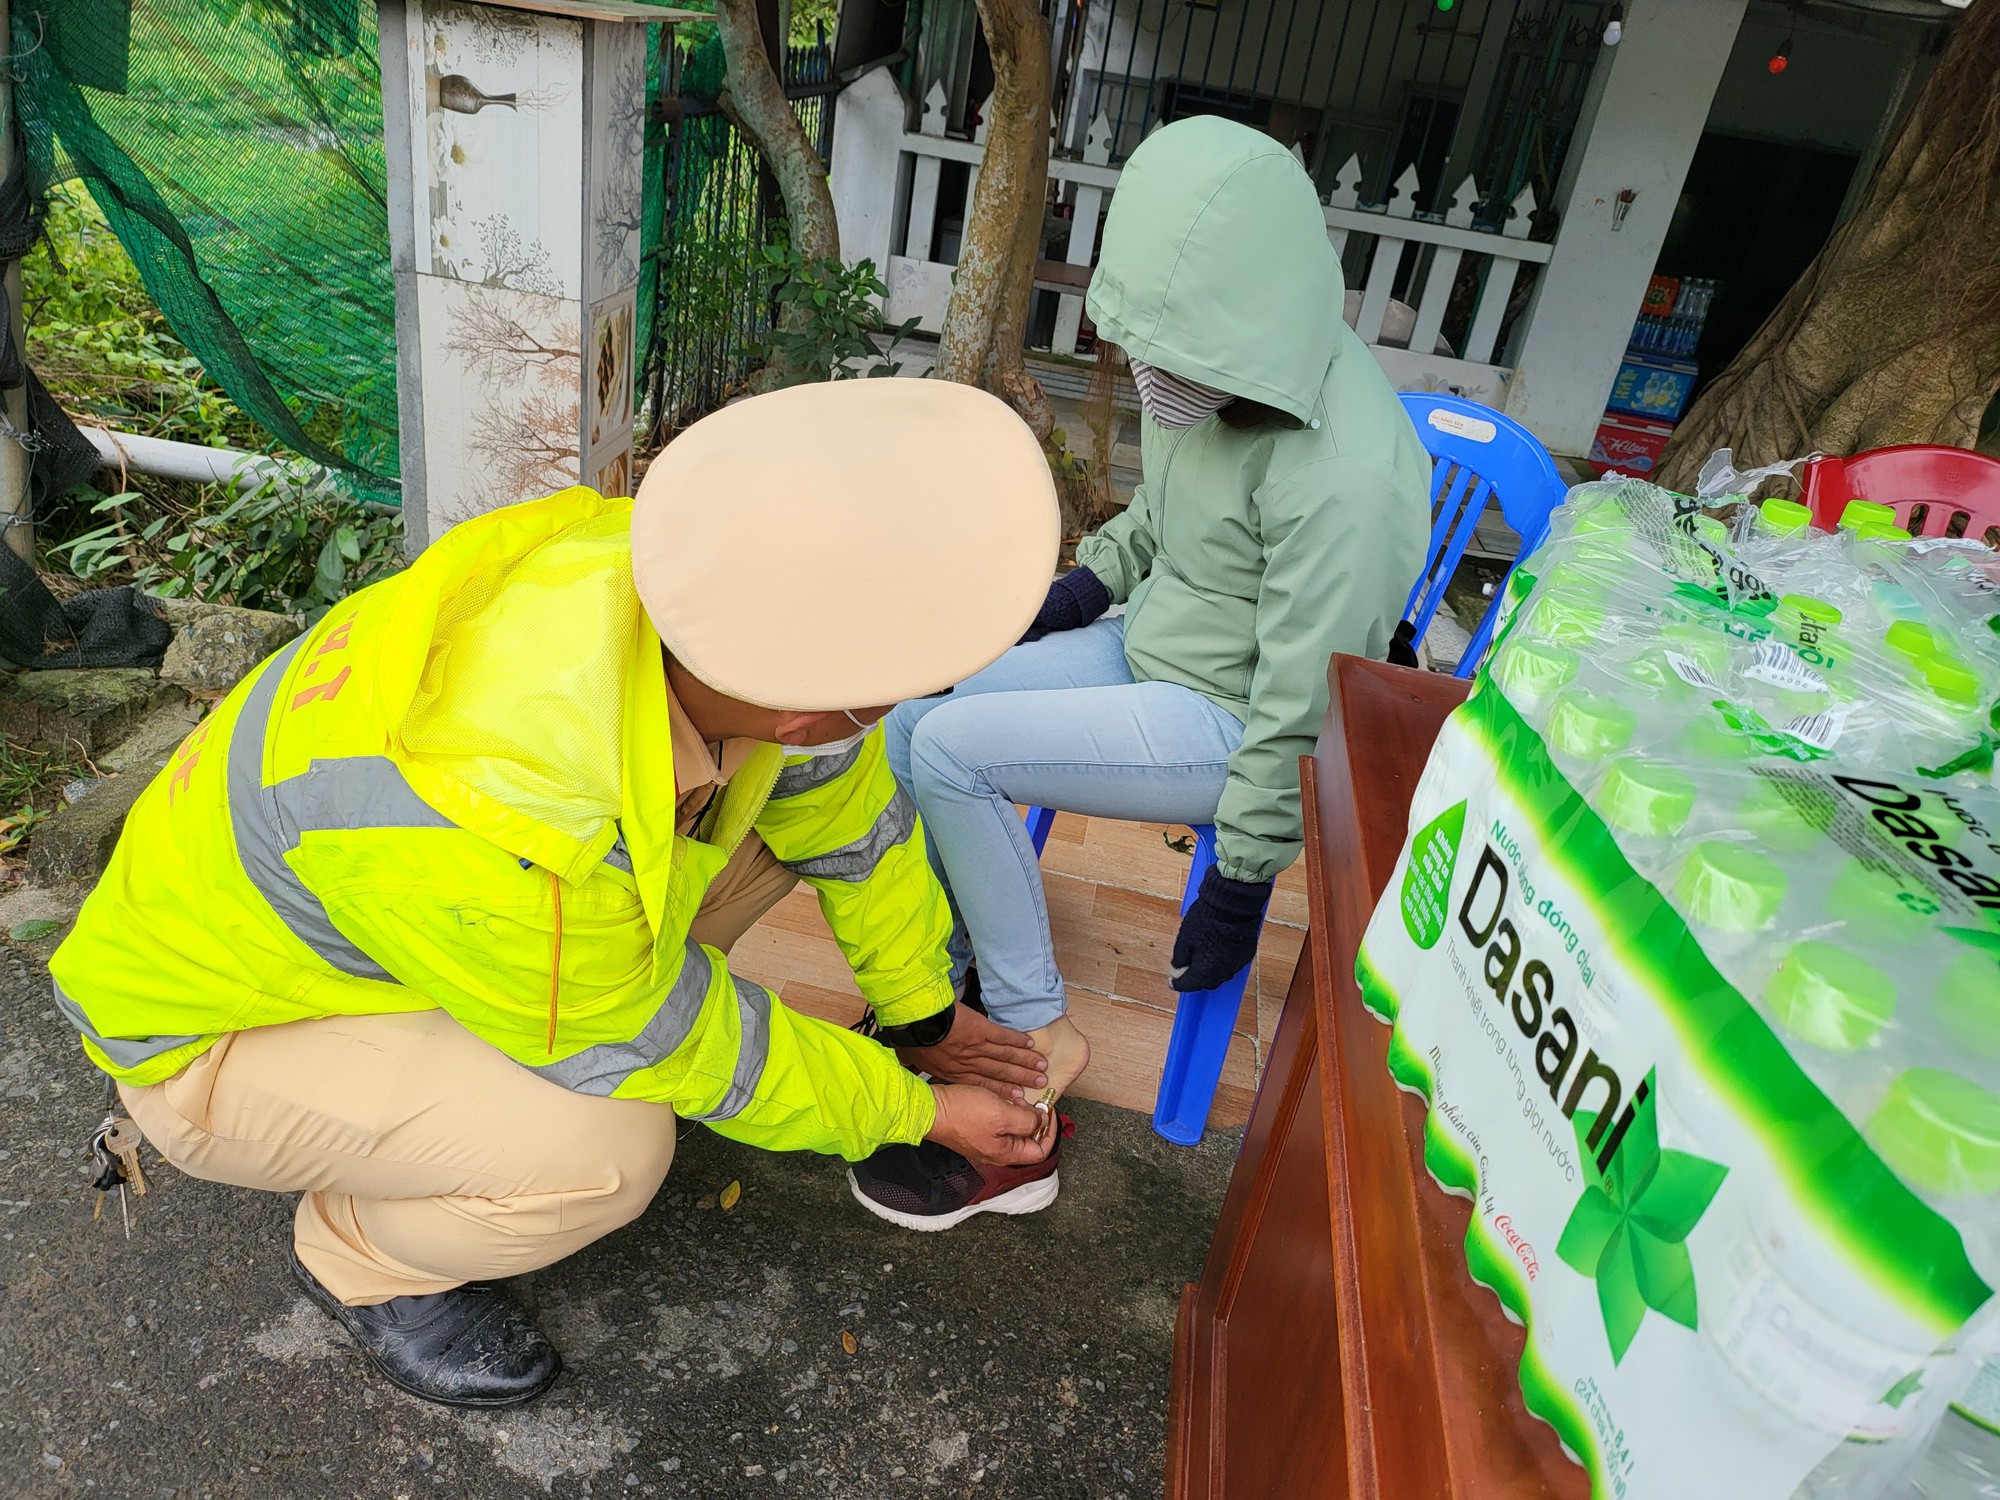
(1649, 117)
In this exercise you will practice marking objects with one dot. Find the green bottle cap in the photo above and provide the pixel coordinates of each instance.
(1646, 797)
(1604, 515)
(1569, 620)
(1782, 517)
(1730, 888)
(1874, 898)
(1583, 577)
(1587, 727)
(1826, 996)
(1914, 638)
(1530, 671)
(1950, 678)
(1598, 546)
(1859, 513)
(1705, 650)
(1880, 531)
(1707, 738)
(1795, 610)
(1939, 1131)
(1786, 815)
(1967, 1003)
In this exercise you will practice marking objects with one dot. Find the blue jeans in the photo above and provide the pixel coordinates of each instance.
(1056, 723)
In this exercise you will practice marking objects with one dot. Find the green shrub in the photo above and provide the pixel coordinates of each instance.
(289, 543)
(827, 319)
(101, 346)
(107, 355)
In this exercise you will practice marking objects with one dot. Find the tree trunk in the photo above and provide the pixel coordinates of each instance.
(984, 321)
(1892, 335)
(754, 98)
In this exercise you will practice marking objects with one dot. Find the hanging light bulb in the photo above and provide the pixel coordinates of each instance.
(1614, 29)
(1782, 58)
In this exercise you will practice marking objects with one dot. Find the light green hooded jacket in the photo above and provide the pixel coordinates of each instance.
(1246, 558)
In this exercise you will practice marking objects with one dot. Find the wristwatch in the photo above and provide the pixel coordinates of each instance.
(927, 1032)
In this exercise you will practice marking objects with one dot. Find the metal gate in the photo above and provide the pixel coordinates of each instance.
(719, 208)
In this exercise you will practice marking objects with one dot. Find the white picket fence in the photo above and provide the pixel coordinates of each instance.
(919, 287)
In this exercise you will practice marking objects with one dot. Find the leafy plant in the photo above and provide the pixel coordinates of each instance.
(827, 319)
(285, 543)
(102, 347)
(812, 20)
(16, 827)
(31, 782)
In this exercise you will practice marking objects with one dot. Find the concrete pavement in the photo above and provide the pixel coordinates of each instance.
(1019, 1358)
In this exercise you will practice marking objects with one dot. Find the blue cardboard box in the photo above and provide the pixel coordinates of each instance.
(1656, 390)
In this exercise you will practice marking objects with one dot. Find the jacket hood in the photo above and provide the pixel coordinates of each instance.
(1216, 265)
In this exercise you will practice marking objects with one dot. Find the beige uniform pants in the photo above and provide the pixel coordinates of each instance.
(425, 1157)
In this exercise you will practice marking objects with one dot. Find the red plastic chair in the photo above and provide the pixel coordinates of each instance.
(1931, 488)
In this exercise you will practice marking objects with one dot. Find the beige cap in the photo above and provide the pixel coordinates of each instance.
(847, 543)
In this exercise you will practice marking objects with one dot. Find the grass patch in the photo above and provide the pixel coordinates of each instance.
(31, 784)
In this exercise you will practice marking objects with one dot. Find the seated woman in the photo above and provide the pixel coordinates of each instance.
(1282, 517)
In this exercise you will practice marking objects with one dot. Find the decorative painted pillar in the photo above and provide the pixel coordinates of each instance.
(1651, 107)
(516, 150)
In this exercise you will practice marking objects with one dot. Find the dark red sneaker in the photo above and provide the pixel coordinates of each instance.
(931, 1187)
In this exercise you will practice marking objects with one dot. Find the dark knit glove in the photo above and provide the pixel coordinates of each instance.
(1218, 936)
(1074, 600)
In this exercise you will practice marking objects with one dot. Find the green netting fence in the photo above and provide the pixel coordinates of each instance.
(236, 148)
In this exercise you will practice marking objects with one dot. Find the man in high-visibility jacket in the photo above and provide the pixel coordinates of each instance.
(426, 920)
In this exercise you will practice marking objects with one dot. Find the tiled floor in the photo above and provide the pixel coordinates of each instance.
(1114, 900)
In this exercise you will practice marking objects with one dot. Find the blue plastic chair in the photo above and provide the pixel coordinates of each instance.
(1478, 455)
(1203, 1020)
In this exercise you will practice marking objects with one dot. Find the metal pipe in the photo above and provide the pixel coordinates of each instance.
(165, 459)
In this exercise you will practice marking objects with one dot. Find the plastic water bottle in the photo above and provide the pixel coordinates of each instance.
(1962, 1462)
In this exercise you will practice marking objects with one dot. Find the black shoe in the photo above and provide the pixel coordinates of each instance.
(931, 1187)
(471, 1346)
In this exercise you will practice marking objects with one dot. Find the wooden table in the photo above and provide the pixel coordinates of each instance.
(1336, 1345)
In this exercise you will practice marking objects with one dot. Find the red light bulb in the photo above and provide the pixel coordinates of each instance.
(1779, 62)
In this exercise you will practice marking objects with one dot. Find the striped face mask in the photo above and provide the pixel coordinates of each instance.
(1172, 401)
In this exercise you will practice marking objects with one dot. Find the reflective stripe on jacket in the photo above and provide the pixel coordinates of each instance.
(457, 791)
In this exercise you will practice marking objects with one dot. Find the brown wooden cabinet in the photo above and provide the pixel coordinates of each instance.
(1336, 1345)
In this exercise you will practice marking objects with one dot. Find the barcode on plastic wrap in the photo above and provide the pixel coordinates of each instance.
(1779, 665)
(1819, 730)
(1691, 672)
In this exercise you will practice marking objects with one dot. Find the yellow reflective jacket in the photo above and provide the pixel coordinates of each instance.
(457, 792)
